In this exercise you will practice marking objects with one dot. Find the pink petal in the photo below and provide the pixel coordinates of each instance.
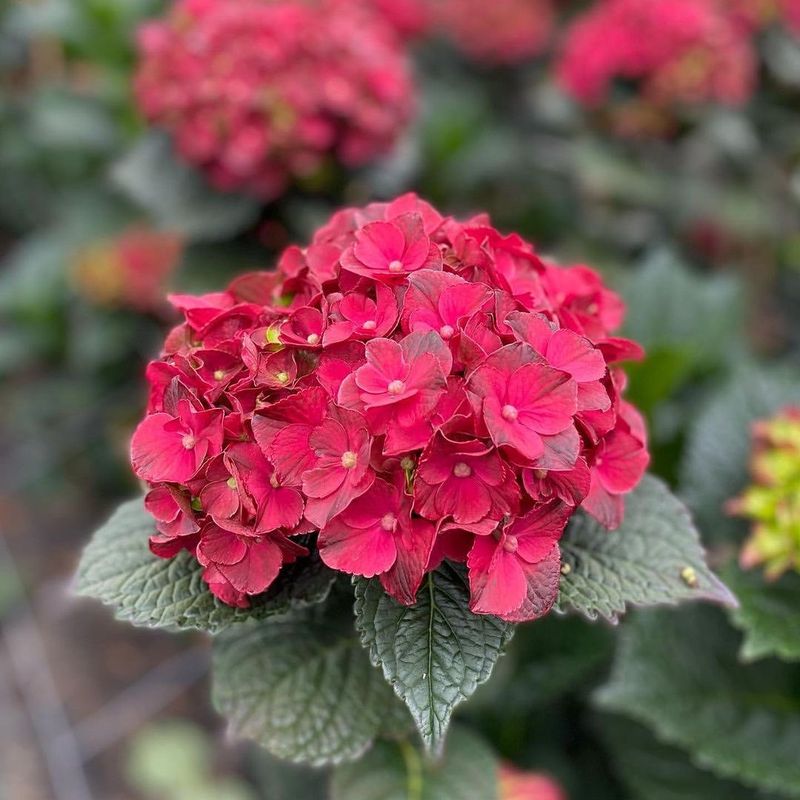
(378, 244)
(319, 511)
(621, 462)
(357, 551)
(465, 499)
(281, 508)
(513, 434)
(538, 530)
(217, 546)
(593, 396)
(608, 509)
(385, 364)
(545, 398)
(462, 301)
(576, 355)
(414, 546)
(291, 453)
(257, 570)
(543, 579)
(497, 582)
(159, 455)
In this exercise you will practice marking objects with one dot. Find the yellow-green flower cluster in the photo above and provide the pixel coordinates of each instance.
(772, 502)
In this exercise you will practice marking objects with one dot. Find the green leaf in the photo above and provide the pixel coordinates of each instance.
(655, 771)
(176, 196)
(715, 467)
(301, 686)
(768, 613)
(435, 653)
(655, 557)
(678, 673)
(118, 569)
(672, 308)
(554, 657)
(398, 771)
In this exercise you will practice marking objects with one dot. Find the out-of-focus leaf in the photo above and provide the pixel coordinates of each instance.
(655, 771)
(677, 672)
(673, 309)
(65, 123)
(176, 196)
(768, 613)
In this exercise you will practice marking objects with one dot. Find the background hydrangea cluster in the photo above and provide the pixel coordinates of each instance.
(410, 386)
(256, 93)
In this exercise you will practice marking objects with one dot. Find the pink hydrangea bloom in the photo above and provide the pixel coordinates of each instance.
(258, 93)
(673, 51)
(462, 408)
(497, 32)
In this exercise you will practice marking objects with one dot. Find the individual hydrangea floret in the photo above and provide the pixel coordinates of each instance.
(259, 93)
(497, 32)
(772, 502)
(673, 52)
(406, 389)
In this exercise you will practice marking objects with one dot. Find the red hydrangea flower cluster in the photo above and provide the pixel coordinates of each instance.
(756, 14)
(499, 31)
(675, 51)
(256, 93)
(409, 18)
(413, 388)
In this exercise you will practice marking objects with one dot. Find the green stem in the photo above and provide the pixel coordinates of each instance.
(413, 769)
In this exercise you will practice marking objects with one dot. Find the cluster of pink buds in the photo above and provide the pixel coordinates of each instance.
(673, 51)
(409, 388)
(259, 93)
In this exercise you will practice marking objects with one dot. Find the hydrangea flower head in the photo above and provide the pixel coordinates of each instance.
(772, 502)
(674, 52)
(407, 388)
(257, 93)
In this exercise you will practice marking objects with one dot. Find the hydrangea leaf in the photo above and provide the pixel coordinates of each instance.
(118, 569)
(654, 558)
(177, 196)
(301, 686)
(768, 614)
(677, 672)
(398, 771)
(435, 653)
(715, 467)
(546, 661)
(655, 771)
(665, 300)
